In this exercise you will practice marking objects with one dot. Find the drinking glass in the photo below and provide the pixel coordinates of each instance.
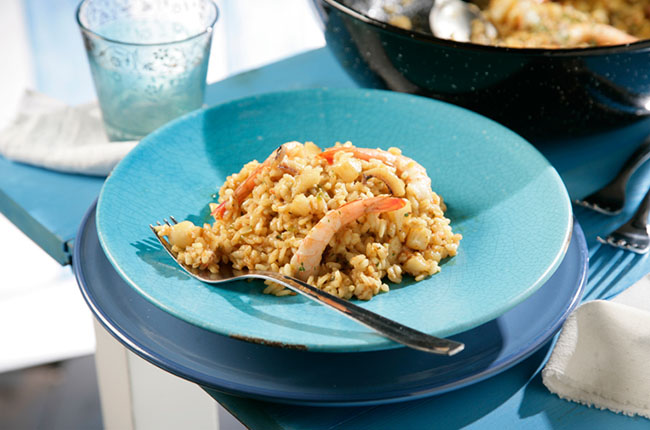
(148, 59)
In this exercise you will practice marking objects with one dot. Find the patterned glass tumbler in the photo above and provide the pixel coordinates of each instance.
(148, 59)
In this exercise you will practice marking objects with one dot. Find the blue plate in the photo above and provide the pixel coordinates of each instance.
(274, 374)
(503, 196)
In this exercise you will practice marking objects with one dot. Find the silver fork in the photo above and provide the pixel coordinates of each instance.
(610, 199)
(633, 235)
(386, 327)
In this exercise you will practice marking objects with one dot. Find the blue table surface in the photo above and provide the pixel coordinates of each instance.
(48, 207)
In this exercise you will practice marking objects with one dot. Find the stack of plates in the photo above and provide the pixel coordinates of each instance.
(520, 270)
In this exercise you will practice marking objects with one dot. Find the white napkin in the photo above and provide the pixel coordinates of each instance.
(602, 356)
(49, 134)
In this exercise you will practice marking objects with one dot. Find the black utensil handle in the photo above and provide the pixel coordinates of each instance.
(640, 156)
(640, 218)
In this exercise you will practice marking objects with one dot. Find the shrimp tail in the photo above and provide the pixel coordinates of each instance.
(218, 212)
(329, 155)
(388, 205)
(245, 188)
(381, 204)
(366, 154)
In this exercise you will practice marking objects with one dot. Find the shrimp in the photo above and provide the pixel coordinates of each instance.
(417, 181)
(246, 187)
(598, 34)
(306, 260)
(514, 15)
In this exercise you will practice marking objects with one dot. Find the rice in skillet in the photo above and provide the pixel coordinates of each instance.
(341, 219)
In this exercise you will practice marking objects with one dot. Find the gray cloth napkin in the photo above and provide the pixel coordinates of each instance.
(47, 133)
(602, 356)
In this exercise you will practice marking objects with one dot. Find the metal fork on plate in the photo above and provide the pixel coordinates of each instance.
(386, 327)
(610, 199)
(633, 235)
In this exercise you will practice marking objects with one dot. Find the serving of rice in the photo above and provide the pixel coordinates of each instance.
(288, 199)
(562, 23)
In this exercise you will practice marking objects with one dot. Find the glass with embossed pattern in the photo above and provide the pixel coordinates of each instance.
(148, 59)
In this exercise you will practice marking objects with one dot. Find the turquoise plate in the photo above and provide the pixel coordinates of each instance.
(502, 195)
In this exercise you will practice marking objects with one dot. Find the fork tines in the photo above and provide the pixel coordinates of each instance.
(595, 207)
(637, 242)
(165, 221)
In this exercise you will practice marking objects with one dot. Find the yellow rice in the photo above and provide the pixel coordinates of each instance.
(548, 24)
(288, 200)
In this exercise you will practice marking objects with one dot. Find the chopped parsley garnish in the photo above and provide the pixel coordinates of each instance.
(302, 267)
(407, 214)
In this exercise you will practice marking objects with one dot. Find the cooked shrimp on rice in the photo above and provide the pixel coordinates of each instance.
(343, 220)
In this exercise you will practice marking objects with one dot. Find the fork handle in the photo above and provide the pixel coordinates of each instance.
(640, 217)
(388, 328)
(640, 156)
